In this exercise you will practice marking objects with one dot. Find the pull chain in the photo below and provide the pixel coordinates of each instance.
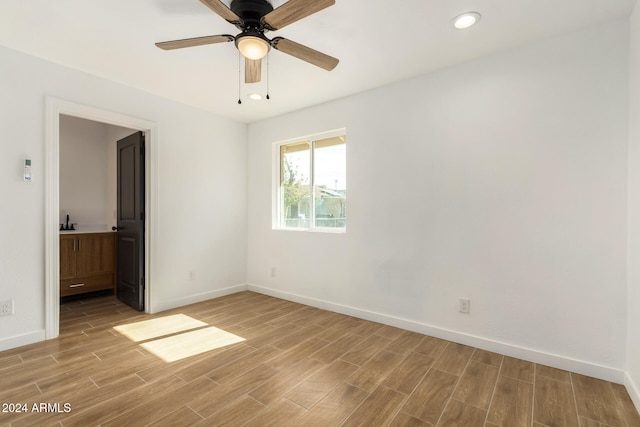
(239, 76)
(268, 77)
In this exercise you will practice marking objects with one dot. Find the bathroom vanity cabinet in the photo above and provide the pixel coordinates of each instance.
(87, 262)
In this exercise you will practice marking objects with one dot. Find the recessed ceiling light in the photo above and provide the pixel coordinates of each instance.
(465, 20)
(255, 96)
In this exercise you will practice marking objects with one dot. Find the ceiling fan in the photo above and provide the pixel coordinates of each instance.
(254, 18)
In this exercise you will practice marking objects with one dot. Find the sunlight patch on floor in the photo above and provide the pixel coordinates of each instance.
(184, 336)
(191, 343)
(162, 326)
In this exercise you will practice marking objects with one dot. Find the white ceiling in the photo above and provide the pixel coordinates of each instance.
(377, 43)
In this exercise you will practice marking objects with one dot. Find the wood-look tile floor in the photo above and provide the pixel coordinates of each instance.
(295, 366)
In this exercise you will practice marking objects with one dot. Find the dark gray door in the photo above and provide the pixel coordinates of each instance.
(130, 222)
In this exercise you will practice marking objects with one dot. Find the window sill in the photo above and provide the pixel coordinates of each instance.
(313, 230)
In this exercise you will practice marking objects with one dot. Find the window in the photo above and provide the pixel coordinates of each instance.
(312, 183)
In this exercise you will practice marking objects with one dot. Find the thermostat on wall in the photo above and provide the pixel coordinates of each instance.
(27, 170)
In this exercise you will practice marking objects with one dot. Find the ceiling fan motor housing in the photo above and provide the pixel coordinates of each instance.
(251, 11)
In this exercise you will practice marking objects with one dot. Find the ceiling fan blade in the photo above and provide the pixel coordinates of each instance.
(305, 53)
(221, 9)
(196, 41)
(293, 11)
(252, 70)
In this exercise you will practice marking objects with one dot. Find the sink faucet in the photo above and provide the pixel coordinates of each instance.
(66, 226)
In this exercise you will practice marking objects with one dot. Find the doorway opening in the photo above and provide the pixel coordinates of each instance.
(54, 109)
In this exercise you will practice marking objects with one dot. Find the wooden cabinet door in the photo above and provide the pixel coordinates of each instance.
(94, 254)
(67, 257)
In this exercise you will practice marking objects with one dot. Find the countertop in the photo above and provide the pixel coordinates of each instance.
(86, 230)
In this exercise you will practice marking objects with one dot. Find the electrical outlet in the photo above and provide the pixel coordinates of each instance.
(192, 275)
(465, 305)
(273, 272)
(6, 308)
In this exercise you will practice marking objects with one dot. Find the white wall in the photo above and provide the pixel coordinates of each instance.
(88, 172)
(633, 342)
(503, 180)
(201, 188)
(84, 172)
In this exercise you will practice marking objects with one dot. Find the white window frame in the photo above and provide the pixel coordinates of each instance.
(276, 193)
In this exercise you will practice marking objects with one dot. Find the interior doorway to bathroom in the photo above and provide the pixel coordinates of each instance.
(58, 110)
(101, 191)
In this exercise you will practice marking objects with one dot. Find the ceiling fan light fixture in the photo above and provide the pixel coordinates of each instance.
(253, 47)
(465, 20)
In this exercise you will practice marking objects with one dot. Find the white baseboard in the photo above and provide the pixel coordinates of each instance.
(159, 306)
(561, 362)
(20, 340)
(633, 390)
